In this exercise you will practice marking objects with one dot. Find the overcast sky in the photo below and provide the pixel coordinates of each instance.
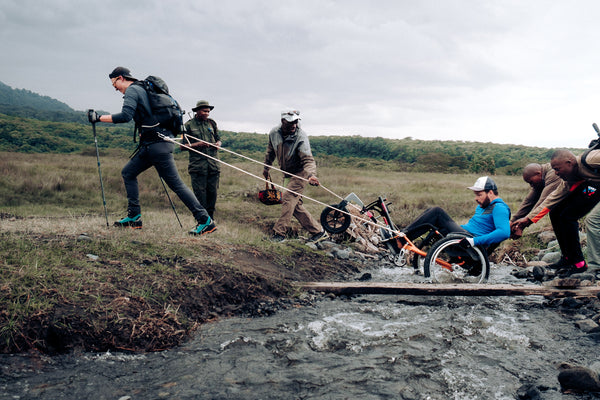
(520, 72)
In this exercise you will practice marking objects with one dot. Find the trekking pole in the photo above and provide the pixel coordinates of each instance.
(99, 170)
(170, 201)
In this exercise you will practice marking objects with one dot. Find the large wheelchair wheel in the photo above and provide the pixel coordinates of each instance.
(335, 219)
(424, 243)
(448, 262)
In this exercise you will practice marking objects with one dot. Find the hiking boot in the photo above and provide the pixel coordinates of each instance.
(562, 263)
(130, 222)
(203, 229)
(571, 270)
(317, 237)
(277, 238)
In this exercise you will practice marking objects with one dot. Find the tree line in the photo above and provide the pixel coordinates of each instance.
(20, 134)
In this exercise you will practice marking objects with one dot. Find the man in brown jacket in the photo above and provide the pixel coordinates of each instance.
(542, 181)
(289, 144)
(576, 196)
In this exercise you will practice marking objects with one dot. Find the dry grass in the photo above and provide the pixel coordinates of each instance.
(52, 226)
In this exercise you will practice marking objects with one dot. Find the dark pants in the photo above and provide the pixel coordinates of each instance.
(160, 156)
(205, 185)
(435, 216)
(565, 220)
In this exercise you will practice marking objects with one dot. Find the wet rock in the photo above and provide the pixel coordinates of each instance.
(551, 257)
(365, 277)
(342, 254)
(521, 273)
(570, 303)
(546, 237)
(528, 392)
(312, 246)
(578, 379)
(538, 273)
(587, 325)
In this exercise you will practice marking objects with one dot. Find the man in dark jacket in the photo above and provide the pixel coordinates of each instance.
(152, 152)
(289, 144)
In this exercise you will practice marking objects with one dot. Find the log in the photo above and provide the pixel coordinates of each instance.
(457, 289)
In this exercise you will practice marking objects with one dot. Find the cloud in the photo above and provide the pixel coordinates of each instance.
(509, 72)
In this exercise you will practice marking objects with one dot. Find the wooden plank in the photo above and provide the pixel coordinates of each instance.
(459, 289)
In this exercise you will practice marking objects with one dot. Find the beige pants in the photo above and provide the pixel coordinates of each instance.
(292, 206)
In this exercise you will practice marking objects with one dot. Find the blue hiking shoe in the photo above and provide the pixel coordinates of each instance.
(203, 229)
(130, 222)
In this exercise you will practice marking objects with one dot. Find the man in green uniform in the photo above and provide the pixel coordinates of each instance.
(204, 171)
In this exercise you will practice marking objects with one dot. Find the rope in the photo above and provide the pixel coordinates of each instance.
(260, 163)
(188, 146)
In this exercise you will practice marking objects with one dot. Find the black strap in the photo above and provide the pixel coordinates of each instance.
(584, 162)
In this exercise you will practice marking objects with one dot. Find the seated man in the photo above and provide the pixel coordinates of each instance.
(489, 225)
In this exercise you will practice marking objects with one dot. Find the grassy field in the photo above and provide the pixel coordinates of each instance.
(68, 281)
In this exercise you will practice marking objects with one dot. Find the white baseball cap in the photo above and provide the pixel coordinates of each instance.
(484, 183)
(290, 115)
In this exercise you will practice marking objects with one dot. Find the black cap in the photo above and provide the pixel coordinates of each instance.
(121, 71)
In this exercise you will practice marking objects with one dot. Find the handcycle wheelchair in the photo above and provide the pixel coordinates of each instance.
(439, 257)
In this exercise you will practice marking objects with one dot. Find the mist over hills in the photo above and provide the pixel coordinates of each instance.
(33, 123)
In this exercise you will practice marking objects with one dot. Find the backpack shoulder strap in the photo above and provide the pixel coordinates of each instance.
(214, 125)
(584, 162)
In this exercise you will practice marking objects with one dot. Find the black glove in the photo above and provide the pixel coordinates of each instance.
(466, 243)
(93, 116)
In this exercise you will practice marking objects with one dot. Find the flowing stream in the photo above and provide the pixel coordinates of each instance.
(363, 347)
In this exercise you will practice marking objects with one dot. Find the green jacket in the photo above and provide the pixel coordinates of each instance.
(207, 131)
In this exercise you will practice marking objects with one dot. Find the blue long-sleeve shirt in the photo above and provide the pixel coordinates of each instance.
(491, 224)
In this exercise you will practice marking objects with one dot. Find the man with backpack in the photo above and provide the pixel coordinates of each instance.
(202, 135)
(576, 196)
(152, 151)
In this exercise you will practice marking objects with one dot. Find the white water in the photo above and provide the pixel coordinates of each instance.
(366, 347)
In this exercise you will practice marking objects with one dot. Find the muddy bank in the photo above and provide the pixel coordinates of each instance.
(182, 293)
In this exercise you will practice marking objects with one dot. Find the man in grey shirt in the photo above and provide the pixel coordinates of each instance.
(153, 151)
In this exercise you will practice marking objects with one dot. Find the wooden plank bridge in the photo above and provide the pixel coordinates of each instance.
(560, 288)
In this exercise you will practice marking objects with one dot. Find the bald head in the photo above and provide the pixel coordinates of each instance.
(531, 169)
(532, 174)
(563, 155)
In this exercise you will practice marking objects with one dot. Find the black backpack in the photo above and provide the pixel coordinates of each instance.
(164, 109)
(594, 145)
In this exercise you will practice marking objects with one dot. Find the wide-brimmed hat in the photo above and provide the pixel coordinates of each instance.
(121, 71)
(202, 104)
(484, 183)
(290, 115)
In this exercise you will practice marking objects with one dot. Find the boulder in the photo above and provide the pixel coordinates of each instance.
(578, 379)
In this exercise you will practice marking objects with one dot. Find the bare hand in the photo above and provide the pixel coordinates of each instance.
(522, 223)
(313, 180)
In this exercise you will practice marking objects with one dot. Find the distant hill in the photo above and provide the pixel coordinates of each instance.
(27, 104)
(31, 123)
